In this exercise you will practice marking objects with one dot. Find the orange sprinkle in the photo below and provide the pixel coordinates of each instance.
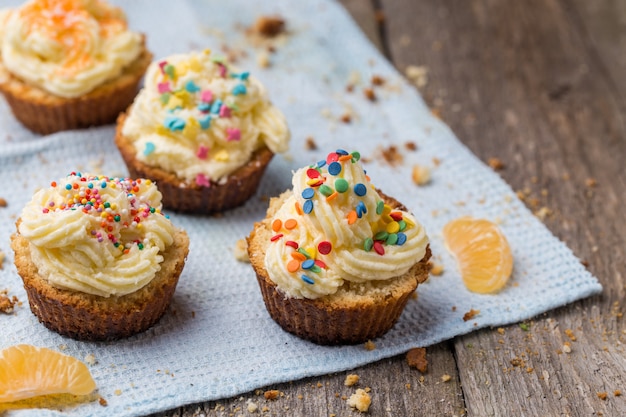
(352, 217)
(367, 177)
(345, 158)
(332, 196)
(291, 224)
(276, 225)
(299, 209)
(293, 265)
(298, 256)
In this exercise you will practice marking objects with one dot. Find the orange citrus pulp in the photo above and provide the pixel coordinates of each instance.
(27, 371)
(482, 253)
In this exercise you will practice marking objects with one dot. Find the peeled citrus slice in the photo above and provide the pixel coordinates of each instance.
(482, 253)
(27, 371)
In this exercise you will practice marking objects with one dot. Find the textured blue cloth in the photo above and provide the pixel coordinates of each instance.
(218, 340)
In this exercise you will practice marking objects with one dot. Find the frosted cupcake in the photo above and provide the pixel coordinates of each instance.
(98, 258)
(336, 260)
(69, 64)
(203, 131)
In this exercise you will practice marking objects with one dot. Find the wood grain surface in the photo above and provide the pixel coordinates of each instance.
(538, 85)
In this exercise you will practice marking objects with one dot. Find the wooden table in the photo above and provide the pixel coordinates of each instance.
(539, 85)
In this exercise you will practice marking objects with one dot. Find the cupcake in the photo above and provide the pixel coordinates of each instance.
(69, 64)
(335, 258)
(98, 258)
(204, 131)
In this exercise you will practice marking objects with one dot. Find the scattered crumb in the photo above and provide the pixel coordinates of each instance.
(602, 395)
(263, 59)
(496, 164)
(310, 144)
(500, 330)
(269, 26)
(90, 359)
(62, 347)
(445, 378)
(346, 118)
(252, 407)
(3, 202)
(591, 182)
(391, 155)
(436, 269)
(103, 402)
(542, 213)
(411, 146)
(369, 345)
(569, 333)
(351, 379)
(7, 304)
(377, 80)
(420, 174)
(567, 347)
(241, 251)
(416, 358)
(470, 314)
(117, 392)
(360, 400)
(617, 393)
(2, 256)
(271, 394)
(369, 94)
(417, 74)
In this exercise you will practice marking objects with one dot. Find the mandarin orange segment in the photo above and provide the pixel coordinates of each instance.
(482, 253)
(27, 371)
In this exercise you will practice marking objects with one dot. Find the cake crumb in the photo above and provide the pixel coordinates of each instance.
(411, 146)
(271, 394)
(417, 74)
(3, 202)
(360, 400)
(2, 256)
(591, 182)
(263, 59)
(416, 358)
(117, 392)
(500, 330)
(567, 347)
(90, 359)
(310, 144)
(391, 155)
(351, 380)
(420, 174)
(602, 395)
(377, 80)
(269, 26)
(241, 251)
(436, 269)
(445, 378)
(470, 314)
(7, 304)
(102, 402)
(569, 333)
(617, 393)
(369, 94)
(369, 345)
(252, 407)
(496, 164)
(345, 118)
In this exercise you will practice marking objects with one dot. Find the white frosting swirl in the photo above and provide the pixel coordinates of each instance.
(67, 47)
(97, 235)
(201, 119)
(356, 223)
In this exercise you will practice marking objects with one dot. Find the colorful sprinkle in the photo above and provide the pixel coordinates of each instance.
(360, 189)
(368, 244)
(191, 87)
(233, 134)
(356, 156)
(396, 215)
(225, 112)
(174, 123)
(393, 227)
(379, 248)
(304, 252)
(352, 217)
(149, 148)
(320, 263)
(332, 196)
(325, 247)
(334, 168)
(325, 190)
(215, 107)
(380, 206)
(276, 237)
(307, 279)
(293, 265)
(341, 185)
(202, 180)
(298, 256)
(205, 122)
(277, 225)
(164, 88)
(307, 208)
(206, 96)
(202, 152)
(239, 89)
(341, 152)
(313, 173)
(292, 244)
(401, 239)
(308, 264)
(382, 235)
(308, 193)
(392, 239)
(291, 224)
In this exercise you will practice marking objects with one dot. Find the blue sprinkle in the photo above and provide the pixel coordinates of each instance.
(191, 87)
(68, 186)
(307, 279)
(239, 89)
(174, 123)
(149, 148)
(308, 264)
(401, 239)
(90, 185)
(359, 212)
(334, 168)
(103, 184)
(321, 163)
(243, 76)
(360, 189)
(307, 207)
(215, 108)
(341, 152)
(204, 107)
(205, 123)
(308, 193)
(362, 207)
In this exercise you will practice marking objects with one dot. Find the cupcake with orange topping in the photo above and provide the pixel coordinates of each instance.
(69, 64)
(98, 258)
(335, 258)
(203, 130)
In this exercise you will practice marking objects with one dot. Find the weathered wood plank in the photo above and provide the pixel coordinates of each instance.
(538, 84)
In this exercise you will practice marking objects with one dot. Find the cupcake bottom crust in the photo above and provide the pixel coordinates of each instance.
(92, 318)
(44, 113)
(356, 313)
(179, 195)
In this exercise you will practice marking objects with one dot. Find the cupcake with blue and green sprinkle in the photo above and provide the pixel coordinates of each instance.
(203, 130)
(335, 258)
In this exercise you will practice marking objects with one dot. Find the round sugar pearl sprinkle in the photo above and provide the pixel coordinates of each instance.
(401, 239)
(307, 279)
(307, 207)
(334, 168)
(341, 185)
(308, 264)
(308, 193)
(324, 247)
(360, 189)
